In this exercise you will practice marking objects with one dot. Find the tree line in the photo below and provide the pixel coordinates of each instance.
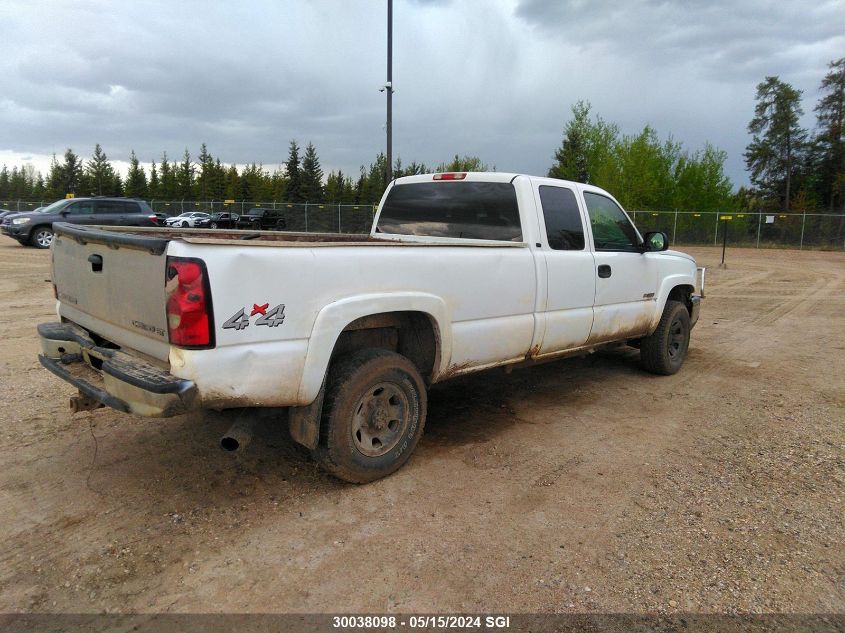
(299, 179)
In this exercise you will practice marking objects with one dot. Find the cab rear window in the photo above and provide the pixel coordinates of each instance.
(470, 210)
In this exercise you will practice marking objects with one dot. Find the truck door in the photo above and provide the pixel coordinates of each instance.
(570, 271)
(626, 277)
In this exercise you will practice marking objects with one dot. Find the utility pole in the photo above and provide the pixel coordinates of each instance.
(389, 90)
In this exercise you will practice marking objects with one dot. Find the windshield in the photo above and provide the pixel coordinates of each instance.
(54, 208)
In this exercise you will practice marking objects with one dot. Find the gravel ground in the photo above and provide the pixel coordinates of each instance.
(584, 485)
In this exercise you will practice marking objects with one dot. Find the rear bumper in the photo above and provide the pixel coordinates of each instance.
(114, 378)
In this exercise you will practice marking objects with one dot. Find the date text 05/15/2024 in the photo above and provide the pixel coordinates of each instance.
(421, 621)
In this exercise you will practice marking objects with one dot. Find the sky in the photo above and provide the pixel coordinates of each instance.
(490, 78)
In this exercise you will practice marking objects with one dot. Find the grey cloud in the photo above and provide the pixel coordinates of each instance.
(725, 39)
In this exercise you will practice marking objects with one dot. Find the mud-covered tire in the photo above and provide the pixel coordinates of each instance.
(375, 403)
(665, 350)
(42, 237)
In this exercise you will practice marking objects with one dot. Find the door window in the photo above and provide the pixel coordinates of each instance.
(109, 207)
(612, 230)
(564, 228)
(83, 207)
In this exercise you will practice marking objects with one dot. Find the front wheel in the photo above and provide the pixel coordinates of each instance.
(373, 415)
(42, 237)
(665, 350)
(213, 225)
(185, 224)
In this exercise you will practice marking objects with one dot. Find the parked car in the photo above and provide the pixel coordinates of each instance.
(258, 218)
(35, 228)
(220, 220)
(187, 219)
(5, 212)
(460, 272)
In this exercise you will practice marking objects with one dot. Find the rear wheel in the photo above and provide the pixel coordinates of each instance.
(373, 415)
(664, 351)
(42, 237)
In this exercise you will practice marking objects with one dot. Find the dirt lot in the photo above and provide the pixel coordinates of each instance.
(581, 485)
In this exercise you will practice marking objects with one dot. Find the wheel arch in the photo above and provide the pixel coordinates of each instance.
(678, 287)
(420, 322)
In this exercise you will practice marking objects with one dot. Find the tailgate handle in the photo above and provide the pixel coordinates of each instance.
(96, 262)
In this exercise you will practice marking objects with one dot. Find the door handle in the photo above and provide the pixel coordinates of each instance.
(604, 271)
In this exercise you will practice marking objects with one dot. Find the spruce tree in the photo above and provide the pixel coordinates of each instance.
(206, 168)
(292, 170)
(311, 184)
(69, 175)
(778, 141)
(154, 187)
(136, 178)
(4, 183)
(572, 155)
(184, 178)
(100, 178)
(830, 113)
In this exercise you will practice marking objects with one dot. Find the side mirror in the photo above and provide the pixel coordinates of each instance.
(655, 241)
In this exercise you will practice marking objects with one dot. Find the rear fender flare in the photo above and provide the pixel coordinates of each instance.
(333, 318)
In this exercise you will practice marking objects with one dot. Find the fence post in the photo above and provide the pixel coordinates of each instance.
(716, 234)
(759, 224)
(803, 220)
(338, 217)
(306, 217)
(675, 228)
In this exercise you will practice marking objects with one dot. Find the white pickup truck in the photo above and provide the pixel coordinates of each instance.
(460, 272)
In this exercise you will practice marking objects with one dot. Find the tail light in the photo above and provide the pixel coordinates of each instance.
(190, 321)
(153, 219)
(451, 175)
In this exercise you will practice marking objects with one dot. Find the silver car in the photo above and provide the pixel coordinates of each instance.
(187, 219)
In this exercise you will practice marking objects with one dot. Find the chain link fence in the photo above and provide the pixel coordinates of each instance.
(822, 231)
(304, 217)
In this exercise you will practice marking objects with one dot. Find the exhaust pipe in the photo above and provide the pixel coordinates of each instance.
(238, 436)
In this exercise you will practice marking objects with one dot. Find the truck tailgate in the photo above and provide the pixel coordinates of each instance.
(113, 285)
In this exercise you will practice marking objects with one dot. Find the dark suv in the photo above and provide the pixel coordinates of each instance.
(36, 227)
(258, 218)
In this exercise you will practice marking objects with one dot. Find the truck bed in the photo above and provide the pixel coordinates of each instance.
(265, 238)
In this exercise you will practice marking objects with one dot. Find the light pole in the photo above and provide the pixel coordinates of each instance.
(388, 88)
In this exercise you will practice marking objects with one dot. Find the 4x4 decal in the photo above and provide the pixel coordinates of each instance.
(271, 317)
